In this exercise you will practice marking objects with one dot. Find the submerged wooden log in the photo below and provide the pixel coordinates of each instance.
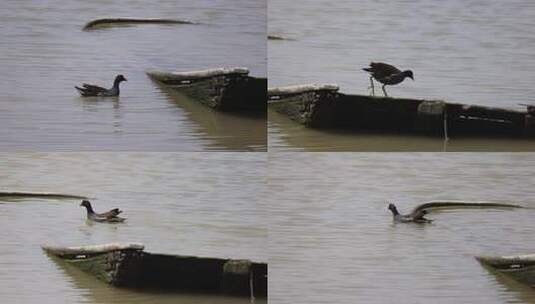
(39, 195)
(520, 267)
(462, 204)
(109, 22)
(322, 106)
(277, 37)
(127, 265)
(225, 89)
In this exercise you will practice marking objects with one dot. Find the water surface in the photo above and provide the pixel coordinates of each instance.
(474, 52)
(332, 239)
(205, 204)
(44, 53)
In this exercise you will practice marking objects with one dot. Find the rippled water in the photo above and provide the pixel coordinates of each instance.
(44, 54)
(204, 204)
(332, 240)
(475, 52)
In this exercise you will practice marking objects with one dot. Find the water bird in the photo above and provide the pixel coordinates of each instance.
(93, 90)
(386, 74)
(416, 216)
(418, 213)
(106, 217)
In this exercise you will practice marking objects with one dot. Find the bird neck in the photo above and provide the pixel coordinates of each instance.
(394, 211)
(116, 83)
(89, 209)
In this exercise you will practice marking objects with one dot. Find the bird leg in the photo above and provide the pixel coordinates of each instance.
(371, 86)
(384, 91)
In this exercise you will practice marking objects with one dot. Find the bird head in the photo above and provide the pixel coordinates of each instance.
(392, 207)
(120, 78)
(408, 73)
(85, 203)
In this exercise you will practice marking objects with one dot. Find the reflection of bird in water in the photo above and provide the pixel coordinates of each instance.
(93, 90)
(418, 213)
(386, 74)
(106, 217)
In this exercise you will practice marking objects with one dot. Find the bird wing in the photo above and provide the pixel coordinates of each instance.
(419, 214)
(380, 70)
(384, 68)
(91, 90)
(110, 214)
(94, 88)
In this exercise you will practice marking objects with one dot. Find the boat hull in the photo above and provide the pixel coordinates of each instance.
(127, 265)
(230, 90)
(520, 268)
(320, 106)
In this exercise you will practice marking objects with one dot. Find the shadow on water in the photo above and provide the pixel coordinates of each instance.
(99, 292)
(244, 131)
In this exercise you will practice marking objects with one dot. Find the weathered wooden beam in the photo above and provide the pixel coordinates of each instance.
(273, 93)
(91, 249)
(181, 77)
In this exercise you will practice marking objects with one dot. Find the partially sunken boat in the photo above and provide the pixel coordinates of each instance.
(225, 89)
(128, 265)
(322, 106)
(520, 267)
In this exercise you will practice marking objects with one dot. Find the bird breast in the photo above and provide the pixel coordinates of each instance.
(393, 79)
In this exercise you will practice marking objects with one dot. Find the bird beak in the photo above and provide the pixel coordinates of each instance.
(125, 79)
(412, 78)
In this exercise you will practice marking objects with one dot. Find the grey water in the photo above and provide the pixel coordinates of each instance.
(332, 239)
(473, 52)
(200, 204)
(44, 53)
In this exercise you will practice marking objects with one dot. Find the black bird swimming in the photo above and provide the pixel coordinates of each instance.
(416, 216)
(93, 90)
(386, 74)
(106, 217)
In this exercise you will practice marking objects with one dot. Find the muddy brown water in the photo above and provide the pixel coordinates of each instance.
(201, 204)
(332, 238)
(44, 53)
(475, 52)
